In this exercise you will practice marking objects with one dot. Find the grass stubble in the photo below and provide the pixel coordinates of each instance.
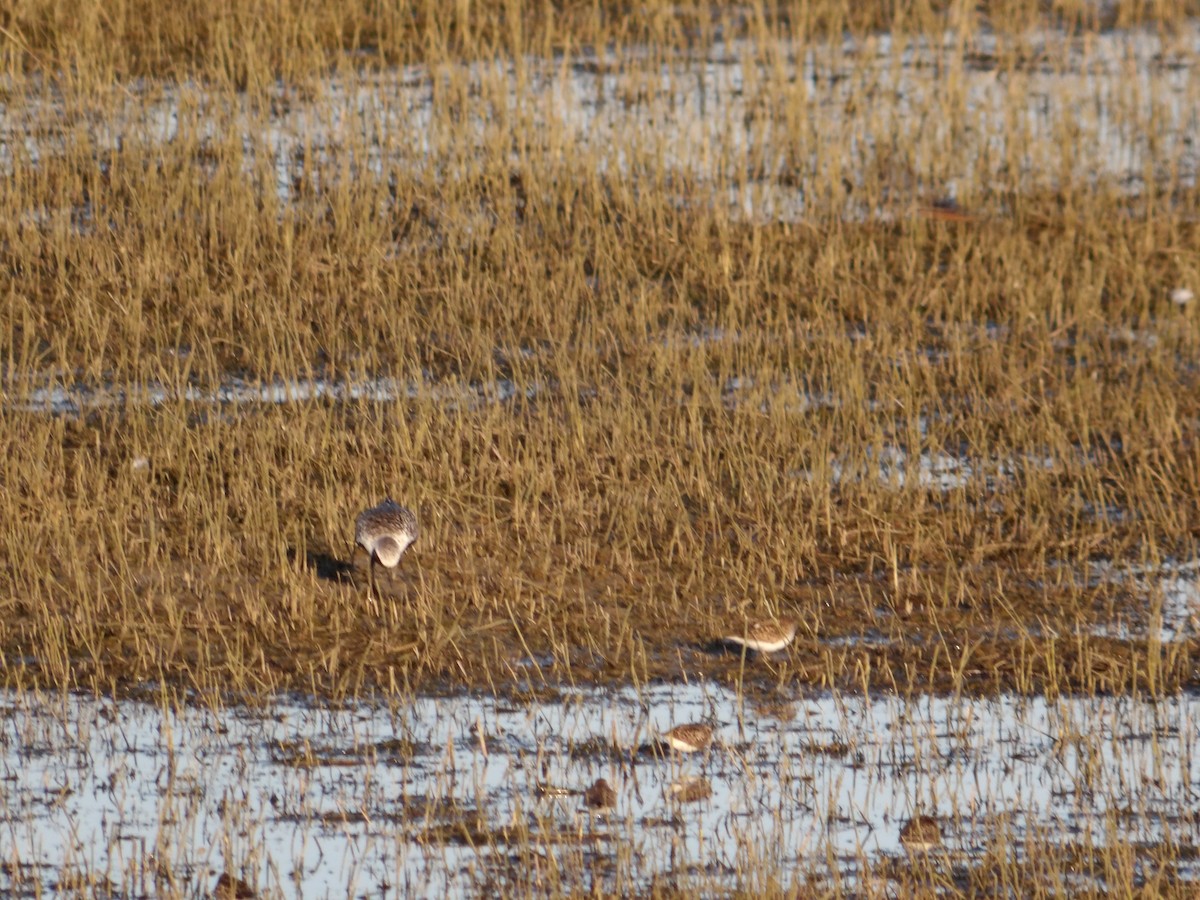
(704, 417)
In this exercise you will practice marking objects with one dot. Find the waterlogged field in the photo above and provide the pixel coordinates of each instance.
(457, 795)
(664, 320)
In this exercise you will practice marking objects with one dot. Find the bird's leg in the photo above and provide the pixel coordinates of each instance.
(371, 601)
(391, 602)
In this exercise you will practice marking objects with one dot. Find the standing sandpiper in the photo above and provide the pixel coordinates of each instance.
(921, 834)
(766, 636)
(385, 532)
(689, 738)
(600, 795)
(691, 788)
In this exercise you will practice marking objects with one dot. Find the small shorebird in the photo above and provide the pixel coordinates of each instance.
(230, 887)
(691, 789)
(690, 738)
(765, 636)
(600, 795)
(920, 834)
(385, 532)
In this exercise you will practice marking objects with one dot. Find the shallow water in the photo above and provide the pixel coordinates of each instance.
(304, 800)
(760, 125)
(1171, 595)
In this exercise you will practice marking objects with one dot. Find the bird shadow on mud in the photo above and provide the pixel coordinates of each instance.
(723, 647)
(327, 566)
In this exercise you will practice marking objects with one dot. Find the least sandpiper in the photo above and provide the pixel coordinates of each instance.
(691, 788)
(385, 532)
(230, 887)
(600, 795)
(765, 636)
(921, 833)
(690, 738)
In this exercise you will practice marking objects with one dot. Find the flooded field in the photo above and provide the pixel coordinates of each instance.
(459, 796)
(669, 323)
(771, 128)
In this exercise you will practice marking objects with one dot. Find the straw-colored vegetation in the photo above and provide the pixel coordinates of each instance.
(256, 41)
(627, 414)
(663, 318)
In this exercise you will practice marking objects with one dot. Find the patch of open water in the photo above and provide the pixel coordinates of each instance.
(1171, 591)
(302, 799)
(763, 126)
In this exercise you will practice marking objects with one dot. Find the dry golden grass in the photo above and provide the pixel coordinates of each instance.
(701, 402)
(250, 44)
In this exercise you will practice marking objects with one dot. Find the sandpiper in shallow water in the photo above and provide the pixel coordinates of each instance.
(690, 738)
(691, 788)
(385, 532)
(600, 795)
(920, 834)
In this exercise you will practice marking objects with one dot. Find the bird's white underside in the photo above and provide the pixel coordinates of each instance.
(759, 645)
(388, 549)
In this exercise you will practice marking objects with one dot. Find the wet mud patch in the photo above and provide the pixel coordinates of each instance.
(303, 754)
(1104, 628)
